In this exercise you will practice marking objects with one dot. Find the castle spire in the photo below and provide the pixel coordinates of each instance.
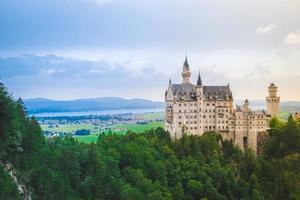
(186, 73)
(186, 63)
(199, 81)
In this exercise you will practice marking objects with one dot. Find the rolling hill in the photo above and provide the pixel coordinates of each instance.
(41, 105)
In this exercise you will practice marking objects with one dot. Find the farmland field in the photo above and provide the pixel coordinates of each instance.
(69, 128)
(122, 129)
(153, 115)
(95, 131)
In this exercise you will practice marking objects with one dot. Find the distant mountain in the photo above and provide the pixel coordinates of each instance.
(41, 105)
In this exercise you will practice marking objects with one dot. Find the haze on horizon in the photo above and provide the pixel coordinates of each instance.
(128, 48)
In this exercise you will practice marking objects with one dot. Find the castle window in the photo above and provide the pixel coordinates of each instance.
(207, 104)
(179, 105)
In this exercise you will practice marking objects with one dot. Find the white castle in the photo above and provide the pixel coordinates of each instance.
(195, 109)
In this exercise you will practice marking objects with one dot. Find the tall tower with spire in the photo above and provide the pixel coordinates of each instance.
(186, 73)
(200, 100)
(273, 100)
(199, 87)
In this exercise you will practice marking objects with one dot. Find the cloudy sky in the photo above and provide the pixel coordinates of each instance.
(130, 48)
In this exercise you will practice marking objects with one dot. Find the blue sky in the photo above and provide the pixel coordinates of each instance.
(130, 48)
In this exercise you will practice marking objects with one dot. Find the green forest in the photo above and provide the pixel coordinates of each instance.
(148, 165)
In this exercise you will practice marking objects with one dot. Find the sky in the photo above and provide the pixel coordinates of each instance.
(69, 49)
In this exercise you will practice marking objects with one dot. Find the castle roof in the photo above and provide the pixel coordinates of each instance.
(199, 81)
(187, 91)
(218, 92)
(186, 63)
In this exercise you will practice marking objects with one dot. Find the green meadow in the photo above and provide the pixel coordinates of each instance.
(122, 129)
(95, 131)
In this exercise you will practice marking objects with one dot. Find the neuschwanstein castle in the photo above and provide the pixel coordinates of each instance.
(195, 109)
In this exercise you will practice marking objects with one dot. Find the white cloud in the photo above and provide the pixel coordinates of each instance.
(292, 39)
(47, 72)
(265, 29)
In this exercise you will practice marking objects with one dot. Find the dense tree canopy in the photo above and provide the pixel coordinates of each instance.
(146, 165)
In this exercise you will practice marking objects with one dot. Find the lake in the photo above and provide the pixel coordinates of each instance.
(102, 112)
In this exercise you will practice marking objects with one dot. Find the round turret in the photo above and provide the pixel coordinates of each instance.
(272, 90)
(273, 100)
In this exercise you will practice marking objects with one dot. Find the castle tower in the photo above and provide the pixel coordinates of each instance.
(199, 86)
(199, 95)
(273, 100)
(186, 73)
(246, 105)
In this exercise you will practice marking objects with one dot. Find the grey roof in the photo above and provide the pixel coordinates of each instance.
(184, 91)
(251, 112)
(257, 112)
(199, 81)
(187, 91)
(218, 92)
